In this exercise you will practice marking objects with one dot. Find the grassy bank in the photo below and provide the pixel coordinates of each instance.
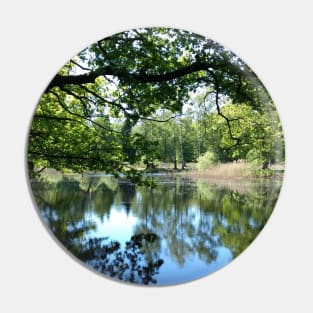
(237, 170)
(220, 171)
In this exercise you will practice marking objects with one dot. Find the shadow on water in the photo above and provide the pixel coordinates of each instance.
(179, 231)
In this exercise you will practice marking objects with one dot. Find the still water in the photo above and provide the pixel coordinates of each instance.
(179, 231)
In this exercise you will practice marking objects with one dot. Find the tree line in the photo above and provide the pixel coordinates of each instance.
(253, 136)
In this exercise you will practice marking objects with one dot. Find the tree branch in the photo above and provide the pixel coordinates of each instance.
(219, 112)
(141, 77)
(81, 116)
(67, 156)
(58, 118)
(160, 121)
(80, 66)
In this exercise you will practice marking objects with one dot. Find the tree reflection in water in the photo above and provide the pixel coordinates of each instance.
(129, 264)
(179, 222)
(133, 263)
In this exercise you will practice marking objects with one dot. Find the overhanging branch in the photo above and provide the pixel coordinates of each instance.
(82, 116)
(218, 108)
(141, 77)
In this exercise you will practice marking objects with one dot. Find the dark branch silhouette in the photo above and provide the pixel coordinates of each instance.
(141, 77)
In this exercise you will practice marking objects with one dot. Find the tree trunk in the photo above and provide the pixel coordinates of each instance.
(265, 165)
(175, 161)
(175, 158)
(183, 163)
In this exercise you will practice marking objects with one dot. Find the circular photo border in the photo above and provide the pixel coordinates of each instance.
(155, 156)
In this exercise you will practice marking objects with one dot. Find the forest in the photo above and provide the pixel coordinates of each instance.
(137, 100)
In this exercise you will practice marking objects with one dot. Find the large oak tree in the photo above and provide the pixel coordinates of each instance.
(85, 117)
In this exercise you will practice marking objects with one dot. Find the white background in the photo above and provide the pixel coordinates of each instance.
(274, 38)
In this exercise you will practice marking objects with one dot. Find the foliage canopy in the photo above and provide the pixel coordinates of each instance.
(86, 117)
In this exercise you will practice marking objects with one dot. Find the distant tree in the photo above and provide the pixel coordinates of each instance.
(250, 131)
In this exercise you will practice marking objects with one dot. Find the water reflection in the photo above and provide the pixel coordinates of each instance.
(179, 231)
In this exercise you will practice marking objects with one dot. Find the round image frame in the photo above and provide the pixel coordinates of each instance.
(126, 92)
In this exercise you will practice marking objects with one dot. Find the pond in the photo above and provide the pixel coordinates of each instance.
(179, 231)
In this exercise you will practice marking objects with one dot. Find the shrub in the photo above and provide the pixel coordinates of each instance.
(206, 160)
(254, 157)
